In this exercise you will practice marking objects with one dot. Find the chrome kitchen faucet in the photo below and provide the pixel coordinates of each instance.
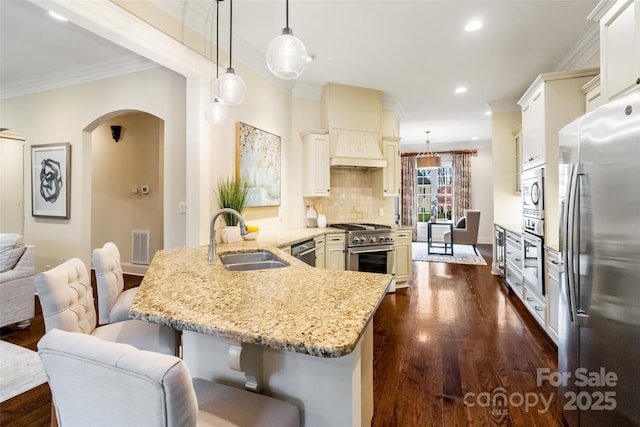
(212, 231)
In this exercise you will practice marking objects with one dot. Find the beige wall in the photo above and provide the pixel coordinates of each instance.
(507, 205)
(70, 115)
(116, 170)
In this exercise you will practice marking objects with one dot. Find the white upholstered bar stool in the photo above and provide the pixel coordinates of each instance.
(66, 298)
(113, 301)
(99, 383)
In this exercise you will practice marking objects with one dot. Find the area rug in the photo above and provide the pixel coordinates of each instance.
(20, 370)
(462, 254)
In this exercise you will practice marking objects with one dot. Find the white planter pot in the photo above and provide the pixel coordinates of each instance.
(231, 234)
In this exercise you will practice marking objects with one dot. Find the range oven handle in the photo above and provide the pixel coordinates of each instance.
(369, 250)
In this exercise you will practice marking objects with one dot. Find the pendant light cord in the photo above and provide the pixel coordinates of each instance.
(217, 34)
(230, 30)
(287, 7)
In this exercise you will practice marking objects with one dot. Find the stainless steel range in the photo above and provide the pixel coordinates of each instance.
(369, 248)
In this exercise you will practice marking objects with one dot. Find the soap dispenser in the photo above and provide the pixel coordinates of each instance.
(312, 217)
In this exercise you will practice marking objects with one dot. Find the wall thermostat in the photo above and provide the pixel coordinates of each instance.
(144, 189)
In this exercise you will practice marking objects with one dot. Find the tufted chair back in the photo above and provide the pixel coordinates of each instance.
(66, 297)
(106, 261)
(100, 383)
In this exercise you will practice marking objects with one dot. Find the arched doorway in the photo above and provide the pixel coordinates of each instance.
(127, 186)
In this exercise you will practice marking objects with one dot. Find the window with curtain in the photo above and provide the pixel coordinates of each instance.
(434, 190)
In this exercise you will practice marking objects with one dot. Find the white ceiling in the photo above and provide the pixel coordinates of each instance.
(416, 52)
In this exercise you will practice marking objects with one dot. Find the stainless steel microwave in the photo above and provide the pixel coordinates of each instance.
(533, 193)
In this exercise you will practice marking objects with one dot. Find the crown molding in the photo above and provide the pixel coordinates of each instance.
(600, 10)
(301, 90)
(87, 74)
(395, 106)
(504, 106)
(582, 51)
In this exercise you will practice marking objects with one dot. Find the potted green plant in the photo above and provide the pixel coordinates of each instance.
(232, 193)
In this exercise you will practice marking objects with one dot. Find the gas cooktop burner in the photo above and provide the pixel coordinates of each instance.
(360, 226)
(365, 234)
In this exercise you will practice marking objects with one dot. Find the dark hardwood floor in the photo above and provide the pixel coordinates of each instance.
(456, 332)
(446, 349)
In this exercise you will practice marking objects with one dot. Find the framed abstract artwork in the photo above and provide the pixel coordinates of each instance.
(51, 180)
(258, 163)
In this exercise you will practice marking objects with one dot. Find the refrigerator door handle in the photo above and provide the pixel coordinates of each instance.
(569, 255)
(579, 288)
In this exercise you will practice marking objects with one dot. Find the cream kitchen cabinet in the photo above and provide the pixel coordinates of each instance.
(335, 251)
(593, 94)
(552, 101)
(315, 163)
(402, 243)
(386, 181)
(536, 305)
(514, 263)
(553, 280)
(320, 251)
(620, 48)
(517, 149)
(533, 124)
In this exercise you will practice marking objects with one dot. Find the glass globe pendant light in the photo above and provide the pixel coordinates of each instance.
(216, 112)
(229, 88)
(286, 54)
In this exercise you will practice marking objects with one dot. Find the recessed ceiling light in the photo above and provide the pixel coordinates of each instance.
(473, 26)
(57, 16)
(487, 113)
(460, 89)
(474, 138)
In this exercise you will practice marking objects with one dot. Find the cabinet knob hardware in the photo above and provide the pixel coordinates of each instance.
(638, 81)
(529, 299)
(518, 259)
(538, 308)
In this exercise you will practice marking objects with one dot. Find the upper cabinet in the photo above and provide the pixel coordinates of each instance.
(315, 163)
(593, 94)
(620, 48)
(553, 100)
(386, 181)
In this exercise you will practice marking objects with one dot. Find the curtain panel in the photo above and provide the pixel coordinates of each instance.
(461, 184)
(408, 215)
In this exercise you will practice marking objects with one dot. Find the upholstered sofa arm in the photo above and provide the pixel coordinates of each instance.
(25, 266)
(17, 294)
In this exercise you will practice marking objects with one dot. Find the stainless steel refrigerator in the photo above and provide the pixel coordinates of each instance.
(599, 343)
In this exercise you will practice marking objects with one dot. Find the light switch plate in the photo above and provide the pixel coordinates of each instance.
(182, 208)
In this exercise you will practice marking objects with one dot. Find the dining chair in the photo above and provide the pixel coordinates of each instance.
(99, 383)
(66, 297)
(467, 235)
(113, 301)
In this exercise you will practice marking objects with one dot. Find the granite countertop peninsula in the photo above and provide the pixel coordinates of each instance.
(297, 308)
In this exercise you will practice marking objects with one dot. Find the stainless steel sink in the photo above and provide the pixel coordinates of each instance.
(254, 260)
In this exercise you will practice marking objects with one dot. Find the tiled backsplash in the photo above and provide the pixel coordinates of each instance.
(351, 198)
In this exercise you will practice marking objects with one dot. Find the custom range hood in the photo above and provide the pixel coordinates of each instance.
(356, 148)
(353, 116)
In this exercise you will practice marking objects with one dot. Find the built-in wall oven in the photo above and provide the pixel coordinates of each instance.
(533, 229)
(369, 248)
(532, 251)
